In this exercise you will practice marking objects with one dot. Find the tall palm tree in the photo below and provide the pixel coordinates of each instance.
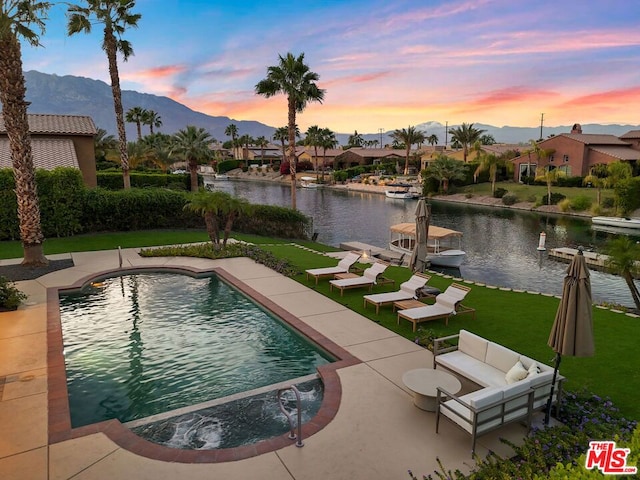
(327, 141)
(465, 135)
(624, 259)
(152, 119)
(244, 141)
(408, 136)
(293, 78)
(103, 143)
(136, 115)
(599, 178)
(262, 142)
(432, 139)
(116, 16)
(159, 149)
(491, 162)
(232, 131)
(16, 20)
(193, 145)
(313, 139)
(444, 170)
(355, 140)
(282, 135)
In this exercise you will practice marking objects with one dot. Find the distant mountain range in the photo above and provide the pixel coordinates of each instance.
(84, 96)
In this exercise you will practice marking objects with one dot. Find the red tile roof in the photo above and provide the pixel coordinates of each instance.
(621, 153)
(48, 153)
(45, 124)
(594, 139)
(631, 134)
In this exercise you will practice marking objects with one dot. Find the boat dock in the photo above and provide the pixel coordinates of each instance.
(381, 253)
(595, 261)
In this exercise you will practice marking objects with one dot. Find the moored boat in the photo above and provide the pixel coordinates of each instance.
(618, 222)
(400, 190)
(441, 252)
(309, 182)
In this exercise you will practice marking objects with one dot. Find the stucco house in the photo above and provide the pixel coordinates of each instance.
(365, 156)
(57, 141)
(575, 153)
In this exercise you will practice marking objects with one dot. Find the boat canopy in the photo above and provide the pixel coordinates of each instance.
(308, 179)
(435, 233)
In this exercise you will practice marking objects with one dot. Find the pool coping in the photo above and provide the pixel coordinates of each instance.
(59, 419)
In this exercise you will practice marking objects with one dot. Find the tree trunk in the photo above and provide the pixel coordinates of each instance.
(406, 160)
(227, 227)
(291, 151)
(139, 130)
(632, 287)
(111, 48)
(12, 93)
(212, 227)
(193, 174)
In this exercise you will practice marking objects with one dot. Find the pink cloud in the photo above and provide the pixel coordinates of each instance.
(154, 73)
(624, 96)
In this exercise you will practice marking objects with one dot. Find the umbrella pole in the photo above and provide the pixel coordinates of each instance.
(553, 385)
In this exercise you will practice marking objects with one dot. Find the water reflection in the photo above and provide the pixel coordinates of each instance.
(500, 243)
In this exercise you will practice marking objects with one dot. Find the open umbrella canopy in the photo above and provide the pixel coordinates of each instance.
(419, 255)
(572, 331)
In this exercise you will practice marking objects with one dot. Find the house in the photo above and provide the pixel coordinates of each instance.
(365, 156)
(57, 141)
(575, 153)
(328, 156)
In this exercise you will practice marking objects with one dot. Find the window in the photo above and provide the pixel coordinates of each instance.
(551, 158)
(565, 158)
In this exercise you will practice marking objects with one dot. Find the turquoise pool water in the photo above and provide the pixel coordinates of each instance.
(147, 343)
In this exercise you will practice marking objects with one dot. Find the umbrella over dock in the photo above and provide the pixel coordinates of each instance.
(418, 260)
(572, 331)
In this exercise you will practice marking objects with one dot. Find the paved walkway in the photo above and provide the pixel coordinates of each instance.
(377, 433)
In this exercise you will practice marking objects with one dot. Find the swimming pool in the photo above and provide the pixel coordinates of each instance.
(141, 344)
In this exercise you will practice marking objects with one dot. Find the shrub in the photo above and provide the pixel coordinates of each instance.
(227, 165)
(500, 192)
(576, 182)
(627, 193)
(285, 168)
(304, 165)
(555, 198)
(468, 195)
(10, 296)
(564, 205)
(509, 199)
(531, 198)
(608, 202)
(114, 181)
(62, 191)
(581, 203)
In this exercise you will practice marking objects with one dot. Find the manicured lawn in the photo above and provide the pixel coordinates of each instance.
(520, 321)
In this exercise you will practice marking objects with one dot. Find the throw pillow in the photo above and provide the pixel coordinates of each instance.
(516, 373)
(533, 369)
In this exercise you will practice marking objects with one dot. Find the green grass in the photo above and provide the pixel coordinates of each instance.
(519, 321)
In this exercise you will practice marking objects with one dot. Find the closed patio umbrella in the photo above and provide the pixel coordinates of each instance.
(419, 255)
(572, 331)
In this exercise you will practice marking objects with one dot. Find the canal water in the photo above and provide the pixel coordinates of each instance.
(501, 244)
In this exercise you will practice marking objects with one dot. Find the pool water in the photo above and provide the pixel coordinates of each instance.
(142, 344)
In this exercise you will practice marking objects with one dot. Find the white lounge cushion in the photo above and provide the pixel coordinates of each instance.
(388, 297)
(472, 368)
(413, 284)
(342, 267)
(519, 405)
(472, 345)
(352, 282)
(478, 399)
(501, 357)
(516, 373)
(427, 311)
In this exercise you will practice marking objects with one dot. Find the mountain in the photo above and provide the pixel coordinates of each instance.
(84, 96)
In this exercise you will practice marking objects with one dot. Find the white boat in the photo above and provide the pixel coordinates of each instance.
(221, 176)
(309, 182)
(618, 222)
(441, 252)
(400, 190)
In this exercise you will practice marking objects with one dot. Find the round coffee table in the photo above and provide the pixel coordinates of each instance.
(423, 382)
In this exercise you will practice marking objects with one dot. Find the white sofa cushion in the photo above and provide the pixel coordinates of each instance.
(519, 406)
(472, 368)
(478, 399)
(516, 373)
(472, 345)
(501, 357)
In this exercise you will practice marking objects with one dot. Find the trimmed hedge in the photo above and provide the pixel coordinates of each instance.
(68, 207)
(627, 194)
(175, 181)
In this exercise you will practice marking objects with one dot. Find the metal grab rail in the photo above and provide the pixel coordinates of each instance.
(292, 433)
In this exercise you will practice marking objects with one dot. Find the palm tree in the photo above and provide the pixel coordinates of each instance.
(444, 170)
(116, 16)
(293, 78)
(244, 141)
(491, 162)
(16, 19)
(355, 140)
(193, 145)
(232, 131)
(103, 143)
(432, 139)
(624, 259)
(550, 176)
(152, 119)
(408, 136)
(136, 115)
(314, 139)
(327, 141)
(487, 139)
(599, 178)
(262, 142)
(159, 149)
(465, 135)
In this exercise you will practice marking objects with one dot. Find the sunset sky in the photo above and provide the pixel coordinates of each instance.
(384, 64)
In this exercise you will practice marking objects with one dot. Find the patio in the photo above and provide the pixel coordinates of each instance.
(376, 433)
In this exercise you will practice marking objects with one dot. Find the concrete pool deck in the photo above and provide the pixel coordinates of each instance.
(377, 432)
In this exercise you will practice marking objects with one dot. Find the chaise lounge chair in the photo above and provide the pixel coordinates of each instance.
(447, 303)
(407, 291)
(368, 279)
(343, 267)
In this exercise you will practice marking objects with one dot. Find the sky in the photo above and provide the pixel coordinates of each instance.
(383, 64)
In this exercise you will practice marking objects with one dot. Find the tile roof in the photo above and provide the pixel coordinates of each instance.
(621, 153)
(631, 134)
(48, 153)
(376, 152)
(593, 138)
(45, 124)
